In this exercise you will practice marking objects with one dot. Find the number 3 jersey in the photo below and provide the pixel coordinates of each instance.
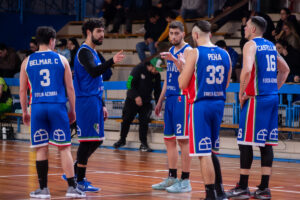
(45, 72)
(210, 76)
(263, 80)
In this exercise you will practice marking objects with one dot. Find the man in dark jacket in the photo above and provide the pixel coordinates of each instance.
(143, 79)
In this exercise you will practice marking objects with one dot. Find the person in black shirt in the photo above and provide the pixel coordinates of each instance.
(143, 79)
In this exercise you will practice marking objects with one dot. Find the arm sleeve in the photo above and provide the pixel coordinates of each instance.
(133, 82)
(86, 58)
(157, 88)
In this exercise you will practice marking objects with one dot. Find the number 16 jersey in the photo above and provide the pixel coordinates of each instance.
(45, 72)
(210, 76)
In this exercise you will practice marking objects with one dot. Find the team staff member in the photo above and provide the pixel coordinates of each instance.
(88, 84)
(143, 79)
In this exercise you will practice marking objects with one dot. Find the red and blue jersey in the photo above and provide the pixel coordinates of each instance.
(45, 71)
(263, 80)
(84, 84)
(210, 76)
(173, 74)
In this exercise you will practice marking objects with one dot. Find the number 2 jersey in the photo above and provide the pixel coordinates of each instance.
(210, 76)
(173, 74)
(45, 71)
(263, 80)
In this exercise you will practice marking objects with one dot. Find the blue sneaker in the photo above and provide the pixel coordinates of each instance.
(86, 186)
(166, 183)
(64, 177)
(180, 186)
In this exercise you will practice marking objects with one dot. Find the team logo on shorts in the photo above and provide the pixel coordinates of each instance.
(78, 131)
(59, 135)
(274, 134)
(240, 133)
(217, 144)
(205, 144)
(262, 135)
(40, 135)
(96, 127)
(179, 99)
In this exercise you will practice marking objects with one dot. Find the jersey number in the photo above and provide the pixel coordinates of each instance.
(271, 63)
(216, 74)
(46, 80)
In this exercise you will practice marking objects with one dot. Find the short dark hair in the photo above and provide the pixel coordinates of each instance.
(3, 46)
(221, 43)
(44, 34)
(177, 24)
(288, 12)
(259, 22)
(91, 24)
(203, 25)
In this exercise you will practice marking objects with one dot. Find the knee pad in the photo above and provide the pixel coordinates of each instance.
(266, 156)
(246, 156)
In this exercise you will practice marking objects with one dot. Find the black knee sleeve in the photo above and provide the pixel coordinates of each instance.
(93, 146)
(266, 156)
(82, 153)
(217, 167)
(246, 156)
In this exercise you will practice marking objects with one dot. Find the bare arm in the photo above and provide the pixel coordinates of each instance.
(229, 72)
(186, 74)
(23, 92)
(69, 89)
(283, 71)
(161, 98)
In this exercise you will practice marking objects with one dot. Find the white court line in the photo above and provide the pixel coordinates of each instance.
(278, 187)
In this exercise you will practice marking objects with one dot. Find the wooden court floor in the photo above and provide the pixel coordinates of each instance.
(124, 174)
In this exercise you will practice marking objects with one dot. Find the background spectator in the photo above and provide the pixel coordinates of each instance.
(291, 56)
(9, 61)
(33, 46)
(109, 10)
(191, 9)
(5, 98)
(62, 49)
(290, 36)
(73, 46)
(154, 26)
(168, 5)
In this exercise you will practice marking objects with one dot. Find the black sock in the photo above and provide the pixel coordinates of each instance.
(173, 173)
(80, 173)
(243, 181)
(42, 171)
(75, 168)
(71, 182)
(185, 175)
(219, 189)
(210, 191)
(264, 182)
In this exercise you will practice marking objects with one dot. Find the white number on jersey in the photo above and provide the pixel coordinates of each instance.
(271, 63)
(46, 77)
(178, 131)
(216, 74)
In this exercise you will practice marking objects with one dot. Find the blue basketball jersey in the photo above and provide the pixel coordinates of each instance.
(45, 72)
(85, 84)
(211, 74)
(173, 73)
(263, 80)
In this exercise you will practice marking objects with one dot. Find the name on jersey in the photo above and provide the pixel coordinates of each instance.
(45, 94)
(266, 48)
(43, 62)
(270, 80)
(171, 67)
(214, 56)
(214, 94)
(169, 87)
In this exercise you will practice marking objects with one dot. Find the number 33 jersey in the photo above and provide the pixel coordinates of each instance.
(210, 76)
(263, 80)
(45, 72)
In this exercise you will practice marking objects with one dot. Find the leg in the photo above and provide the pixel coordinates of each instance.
(152, 48)
(208, 174)
(141, 47)
(218, 176)
(144, 118)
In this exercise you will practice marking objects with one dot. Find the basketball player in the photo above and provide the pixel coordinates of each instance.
(90, 109)
(264, 72)
(176, 116)
(206, 74)
(48, 75)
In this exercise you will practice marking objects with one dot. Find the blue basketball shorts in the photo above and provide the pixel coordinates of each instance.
(259, 121)
(89, 118)
(176, 117)
(50, 124)
(204, 126)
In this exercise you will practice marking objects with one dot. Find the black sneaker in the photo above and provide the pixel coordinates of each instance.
(222, 197)
(262, 194)
(145, 148)
(119, 144)
(238, 193)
